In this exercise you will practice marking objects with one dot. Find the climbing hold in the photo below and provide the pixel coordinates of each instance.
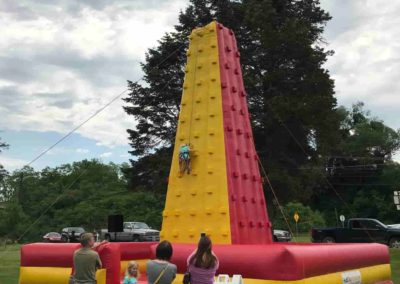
(237, 54)
(236, 71)
(238, 131)
(226, 65)
(233, 108)
(224, 85)
(234, 90)
(227, 49)
(238, 152)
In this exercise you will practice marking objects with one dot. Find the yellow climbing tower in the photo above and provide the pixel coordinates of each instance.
(223, 194)
(198, 202)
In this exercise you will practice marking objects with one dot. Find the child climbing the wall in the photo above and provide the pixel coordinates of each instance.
(184, 159)
(132, 273)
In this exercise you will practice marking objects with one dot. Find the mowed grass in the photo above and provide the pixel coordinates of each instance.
(9, 262)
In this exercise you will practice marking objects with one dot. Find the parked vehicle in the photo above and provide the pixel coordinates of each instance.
(134, 232)
(359, 230)
(394, 226)
(71, 234)
(282, 236)
(52, 237)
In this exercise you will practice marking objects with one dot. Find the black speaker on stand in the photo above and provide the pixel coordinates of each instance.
(115, 224)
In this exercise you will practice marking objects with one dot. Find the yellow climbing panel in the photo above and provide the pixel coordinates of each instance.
(198, 202)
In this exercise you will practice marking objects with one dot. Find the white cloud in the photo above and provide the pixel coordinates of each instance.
(82, 151)
(106, 155)
(366, 64)
(61, 62)
(11, 164)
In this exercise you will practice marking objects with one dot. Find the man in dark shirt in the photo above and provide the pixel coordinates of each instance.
(86, 261)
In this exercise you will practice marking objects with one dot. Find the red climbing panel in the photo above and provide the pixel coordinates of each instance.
(248, 211)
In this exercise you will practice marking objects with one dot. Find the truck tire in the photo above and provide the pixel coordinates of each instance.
(136, 238)
(328, 239)
(107, 238)
(64, 239)
(394, 242)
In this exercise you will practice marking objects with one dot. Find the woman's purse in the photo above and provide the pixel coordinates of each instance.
(186, 278)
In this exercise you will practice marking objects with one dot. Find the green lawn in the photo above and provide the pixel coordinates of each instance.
(9, 262)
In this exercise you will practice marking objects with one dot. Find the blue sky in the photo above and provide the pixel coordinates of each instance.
(62, 60)
(74, 148)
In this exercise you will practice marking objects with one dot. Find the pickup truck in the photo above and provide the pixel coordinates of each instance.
(133, 232)
(359, 230)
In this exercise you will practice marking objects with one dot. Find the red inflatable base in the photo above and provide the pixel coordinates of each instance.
(285, 262)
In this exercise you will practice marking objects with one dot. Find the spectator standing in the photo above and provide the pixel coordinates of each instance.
(202, 263)
(86, 261)
(160, 270)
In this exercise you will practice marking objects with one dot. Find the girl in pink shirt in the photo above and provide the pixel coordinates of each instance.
(203, 263)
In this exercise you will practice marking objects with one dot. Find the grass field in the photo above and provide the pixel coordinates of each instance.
(9, 263)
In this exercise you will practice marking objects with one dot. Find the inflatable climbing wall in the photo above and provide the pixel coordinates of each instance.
(223, 195)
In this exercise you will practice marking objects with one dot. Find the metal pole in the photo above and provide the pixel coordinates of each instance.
(337, 225)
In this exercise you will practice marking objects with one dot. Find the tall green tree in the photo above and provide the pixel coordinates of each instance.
(290, 94)
(361, 169)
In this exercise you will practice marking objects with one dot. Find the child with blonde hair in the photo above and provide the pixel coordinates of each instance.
(132, 273)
